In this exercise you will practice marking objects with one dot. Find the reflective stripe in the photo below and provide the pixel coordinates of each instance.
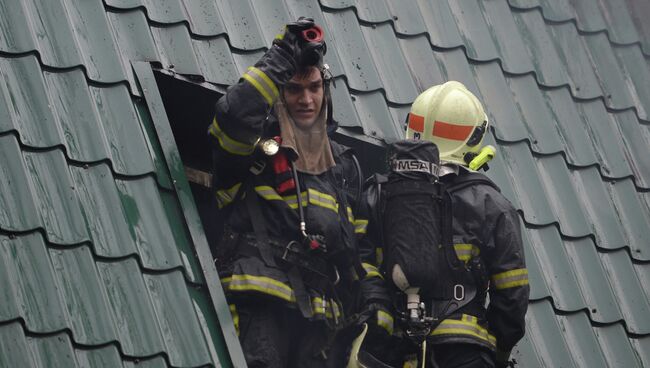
(292, 200)
(226, 196)
(350, 215)
(235, 317)
(278, 289)
(510, 279)
(262, 83)
(465, 252)
(379, 254)
(371, 271)
(262, 284)
(329, 308)
(468, 325)
(311, 196)
(360, 226)
(385, 320)
(323, 200)
(228, 144)
(268, 193)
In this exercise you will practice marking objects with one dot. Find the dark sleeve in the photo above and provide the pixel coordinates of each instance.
(373, 286)
(243, 112)
(509, 289)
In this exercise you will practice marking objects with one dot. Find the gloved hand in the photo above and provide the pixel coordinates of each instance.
(305, 52)
(502, 359)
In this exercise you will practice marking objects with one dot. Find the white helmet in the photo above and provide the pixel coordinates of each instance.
(450, 116)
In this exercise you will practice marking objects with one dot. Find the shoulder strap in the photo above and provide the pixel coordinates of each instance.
(258, 221)
(469, 178)
(347, 164)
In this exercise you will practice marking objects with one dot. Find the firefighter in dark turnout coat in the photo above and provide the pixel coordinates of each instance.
(485, 236)
(288, 256)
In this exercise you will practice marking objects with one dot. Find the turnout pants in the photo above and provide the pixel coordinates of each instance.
(462, 356)
(274, 335)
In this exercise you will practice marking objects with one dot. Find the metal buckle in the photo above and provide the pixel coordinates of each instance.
(338, 277)
(258, 167)
(459, 292)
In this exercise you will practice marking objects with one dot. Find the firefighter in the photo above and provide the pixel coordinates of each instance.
(286, 193)
(479, 227)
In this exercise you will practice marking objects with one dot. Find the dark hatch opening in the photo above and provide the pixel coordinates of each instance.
(189, 103)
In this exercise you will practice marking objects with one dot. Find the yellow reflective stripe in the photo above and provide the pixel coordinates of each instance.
(323, 200)
(385, 320)
(328, 308)
(228, 144)
(465, 252)
(292, 200)
(268, 193)
(468, 325)
(259, 88)
(318, 305)
(510, 279)
(335, 310)
(235, 317)
(263, 84)
(267, 81)
(360, 226)
(226, 196)
(350, 215)
(371, 271)
(310, 196)
(261, 284)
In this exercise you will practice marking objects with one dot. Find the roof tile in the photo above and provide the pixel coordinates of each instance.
(627, 287)
(361, 73)
(601, 302)
(441, 24)
(29, 284)
(545, 246)
(391, 66)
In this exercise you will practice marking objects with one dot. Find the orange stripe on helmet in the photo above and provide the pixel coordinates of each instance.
(452, 131)
(416, 122)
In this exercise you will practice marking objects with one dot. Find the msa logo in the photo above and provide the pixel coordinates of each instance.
(415, 165)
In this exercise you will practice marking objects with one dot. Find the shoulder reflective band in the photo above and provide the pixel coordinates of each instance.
(414, 165)
(385, 320)
(510, 279)
(263, 84)
(228, 144)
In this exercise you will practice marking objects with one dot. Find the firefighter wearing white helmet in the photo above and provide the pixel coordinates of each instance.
(450, 116)
(469, 310)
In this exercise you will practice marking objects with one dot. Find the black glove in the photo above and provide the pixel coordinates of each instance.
(306, 52)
